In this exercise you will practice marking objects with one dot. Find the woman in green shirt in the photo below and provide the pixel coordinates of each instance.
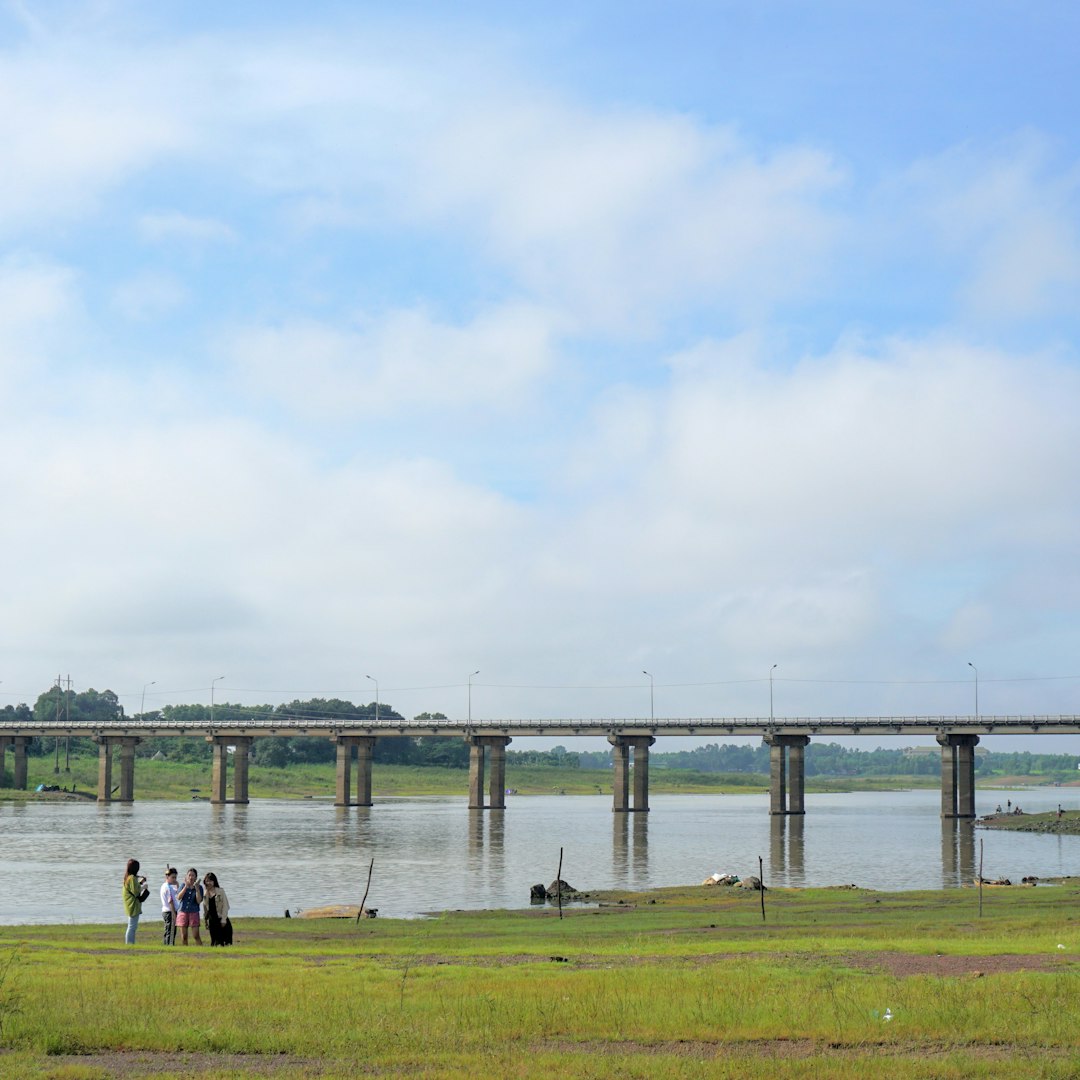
(135, 892)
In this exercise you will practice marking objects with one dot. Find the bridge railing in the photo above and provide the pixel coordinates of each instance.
(693, 725)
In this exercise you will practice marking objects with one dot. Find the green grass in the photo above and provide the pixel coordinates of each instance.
(674, 983)
(166, 779)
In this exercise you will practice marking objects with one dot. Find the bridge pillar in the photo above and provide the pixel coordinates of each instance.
(787, 773)
(958, 775)
(497, 787)
(364, 746)
(219, 776)
(478, 747)
(621, 754)
(241, 761)
(127, 768)
(19, 743)
(104, 773)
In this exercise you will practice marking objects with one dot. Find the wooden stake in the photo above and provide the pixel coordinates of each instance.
(371, 867)
(558, 882)
(761, 882)
(980, 875)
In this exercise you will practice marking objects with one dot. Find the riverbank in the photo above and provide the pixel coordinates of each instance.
(679, 982)
(158, 779)
(1068, 824)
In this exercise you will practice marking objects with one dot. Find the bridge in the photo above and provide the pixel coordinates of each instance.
(787, 738)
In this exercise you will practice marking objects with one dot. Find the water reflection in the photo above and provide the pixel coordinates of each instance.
(620, 850)
(787, 846)
(433, 853)
(630, 850)
(487, 843)
(640, 828)
(957, 852)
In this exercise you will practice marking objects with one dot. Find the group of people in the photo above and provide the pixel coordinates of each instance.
(184, 907)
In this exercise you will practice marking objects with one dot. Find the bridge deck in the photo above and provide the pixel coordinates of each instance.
(339, 726)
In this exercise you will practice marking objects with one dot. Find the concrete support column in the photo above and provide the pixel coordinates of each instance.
(641, 773)
(777, 778)
(476, 774)
(19, 744)
(958, 775)
(127, 768)
(787, 773)
(797, 774)
(364, 748)
(219, 777)
(965, 776)
(241, 761)
(104, 773)
(365, 752)
(478, 747)
(622, 747)
(620, 754)
(3, 756)
(497, 788)
(343, 795)
(948, 777)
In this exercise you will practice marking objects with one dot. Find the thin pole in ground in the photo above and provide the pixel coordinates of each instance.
(980, 875)
(371, 866)
(558, 882)
(761, 882)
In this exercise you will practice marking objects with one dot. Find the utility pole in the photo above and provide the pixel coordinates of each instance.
(56, 741)
(67, 715)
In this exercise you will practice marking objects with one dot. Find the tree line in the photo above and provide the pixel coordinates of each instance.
(822, 759)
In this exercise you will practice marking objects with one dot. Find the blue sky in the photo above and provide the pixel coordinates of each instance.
(338, 339)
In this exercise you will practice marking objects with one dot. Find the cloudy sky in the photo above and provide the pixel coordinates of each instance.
(557, 342)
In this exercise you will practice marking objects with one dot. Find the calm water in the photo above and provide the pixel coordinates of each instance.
(63, 862)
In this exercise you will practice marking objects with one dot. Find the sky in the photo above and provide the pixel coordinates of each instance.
(351, 342)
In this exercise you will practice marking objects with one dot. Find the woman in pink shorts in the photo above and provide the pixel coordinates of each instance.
(188, 900)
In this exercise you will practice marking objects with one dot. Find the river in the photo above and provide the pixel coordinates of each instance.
(63, 861)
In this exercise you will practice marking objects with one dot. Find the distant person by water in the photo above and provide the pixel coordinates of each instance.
(190, 898)
(216, 909)
(135, 892)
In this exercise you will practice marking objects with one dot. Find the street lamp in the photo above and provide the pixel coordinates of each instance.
(212, 681)
(771, 670)
(652, 688)
(976, 670)
(476, 672)
(142, 702)
(376, 682)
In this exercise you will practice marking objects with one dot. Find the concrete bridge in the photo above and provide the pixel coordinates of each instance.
(787, 739)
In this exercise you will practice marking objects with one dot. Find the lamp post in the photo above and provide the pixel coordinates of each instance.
(142, 700)
(376, 682)
(212, 682)
(771, 670)
(471, 674)
(976, 670)
(652, 688)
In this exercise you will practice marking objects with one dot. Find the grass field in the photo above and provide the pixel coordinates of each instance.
(685, 982)
(179, 780)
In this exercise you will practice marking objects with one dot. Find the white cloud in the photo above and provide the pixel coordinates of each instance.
(38, 308)
(185, 228)
(148, 295)
(404, 358)
(74, 124)
(1011, 218)
(782, 503)
(622, 216)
